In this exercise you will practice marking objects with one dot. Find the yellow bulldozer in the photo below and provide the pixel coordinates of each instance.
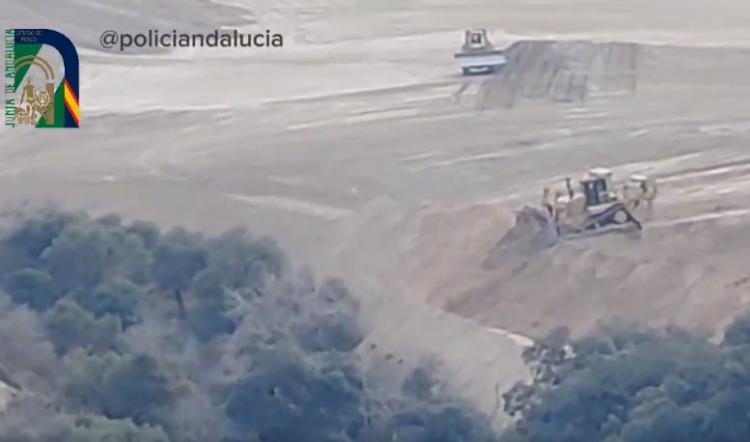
(598, 203)
(595, 204)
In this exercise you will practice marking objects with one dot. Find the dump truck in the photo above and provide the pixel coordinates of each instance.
(478, 54)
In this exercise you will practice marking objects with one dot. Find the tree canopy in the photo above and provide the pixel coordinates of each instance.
(117, 330)
(629, 383)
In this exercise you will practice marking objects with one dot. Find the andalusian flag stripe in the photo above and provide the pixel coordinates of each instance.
(71, 103)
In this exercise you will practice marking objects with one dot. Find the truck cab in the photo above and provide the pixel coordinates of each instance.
(476, 39)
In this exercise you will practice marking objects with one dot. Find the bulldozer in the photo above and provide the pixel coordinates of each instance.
(597, 204)
(478, 54)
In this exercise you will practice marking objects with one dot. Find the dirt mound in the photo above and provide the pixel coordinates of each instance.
(430, 243)
(534, 231)
(689, 275)
(395, 272)
(563, 72)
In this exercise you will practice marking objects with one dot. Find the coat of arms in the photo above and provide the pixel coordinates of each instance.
(37, 103)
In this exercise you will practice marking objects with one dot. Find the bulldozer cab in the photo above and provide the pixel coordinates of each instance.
(595, 190)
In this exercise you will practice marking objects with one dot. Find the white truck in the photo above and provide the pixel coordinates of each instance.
(478, 55)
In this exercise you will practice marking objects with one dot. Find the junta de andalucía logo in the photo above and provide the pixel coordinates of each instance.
(41, 79)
